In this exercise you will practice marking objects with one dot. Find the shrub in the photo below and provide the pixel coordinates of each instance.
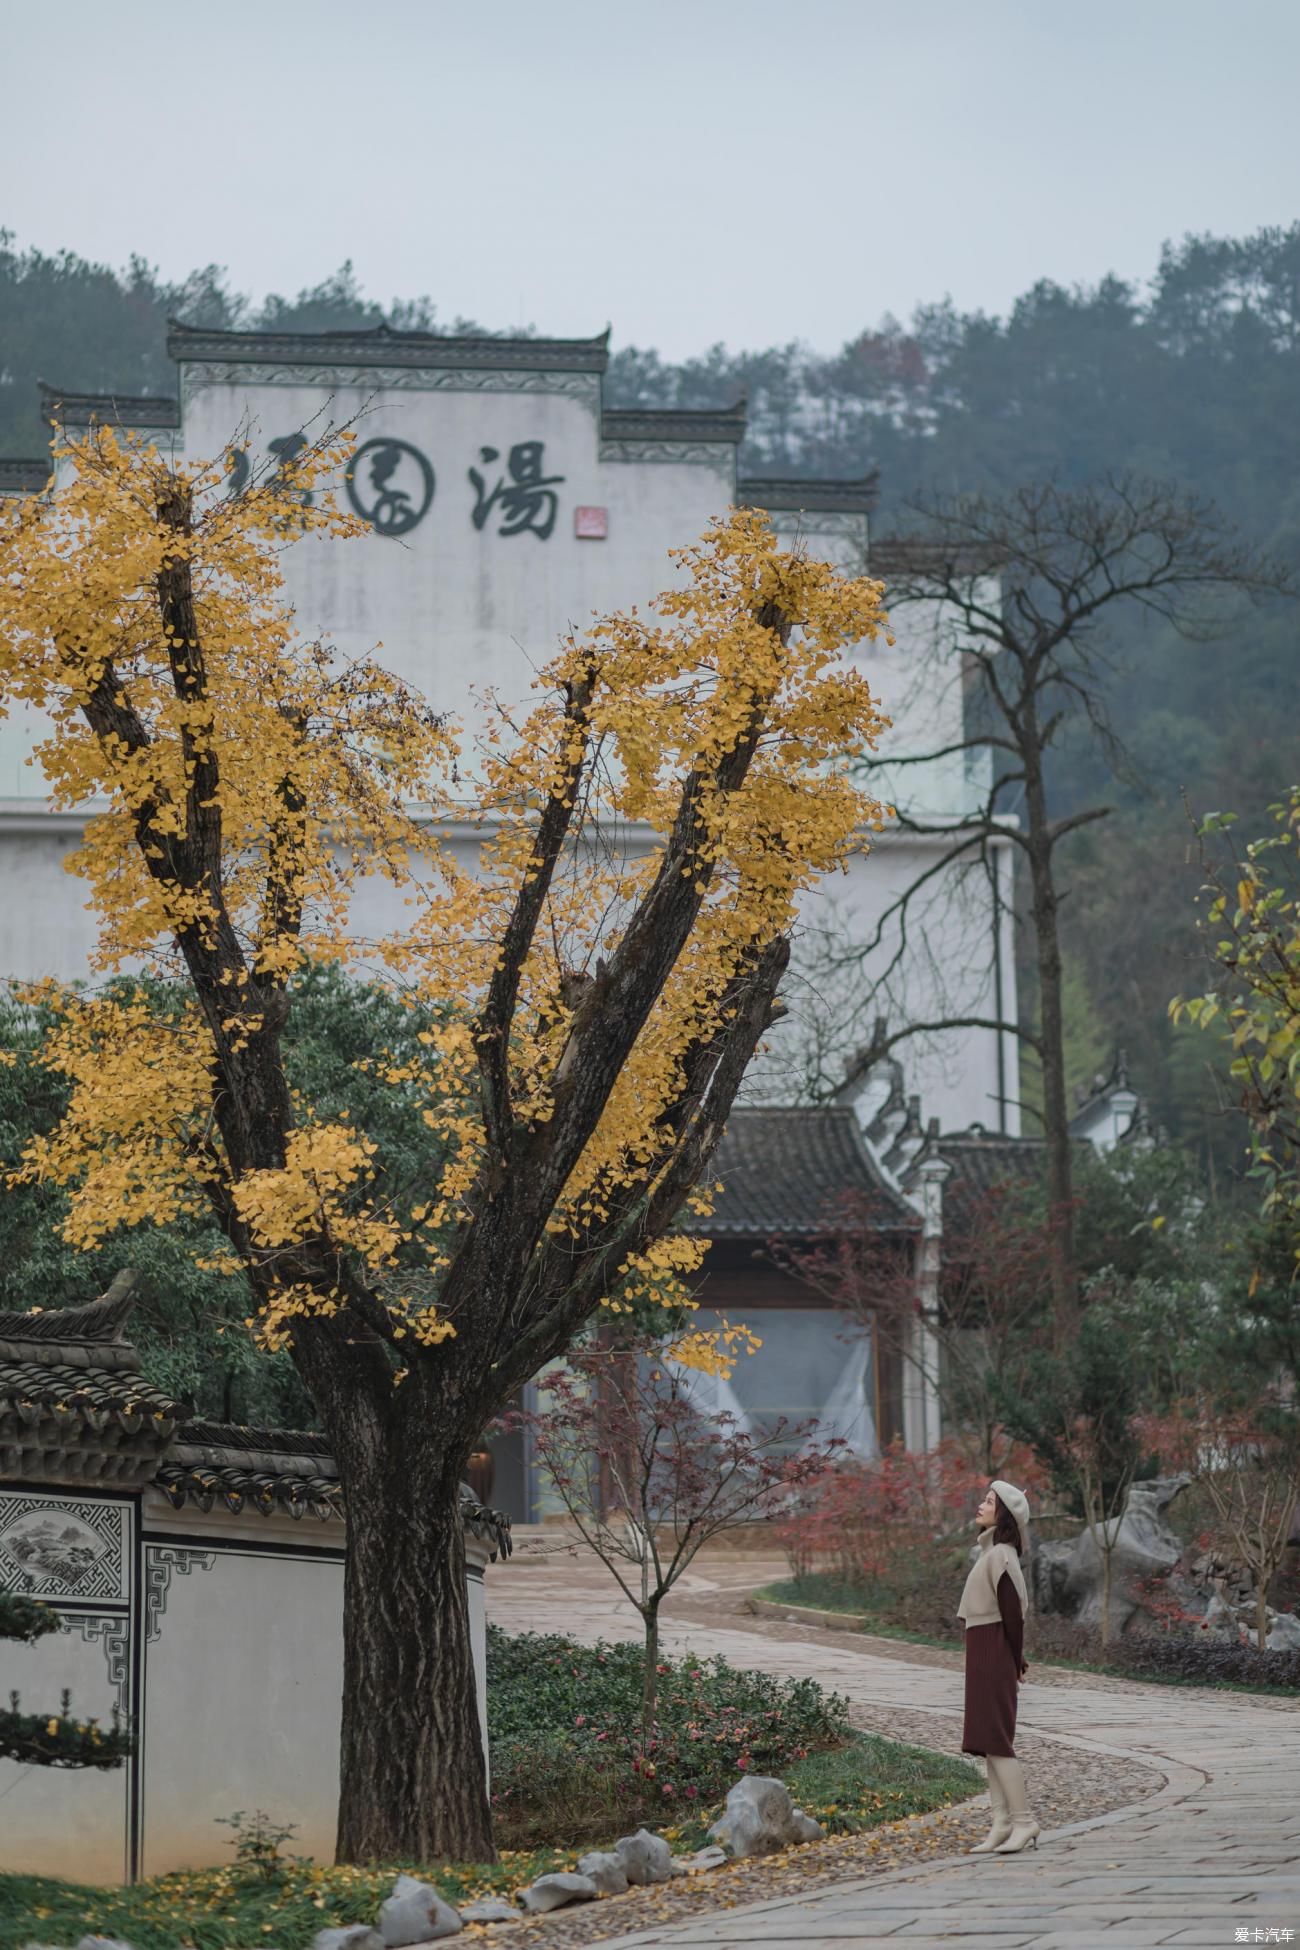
(568, 1758)
(1191, 1656)
(1206, 1660)
(898, 1530)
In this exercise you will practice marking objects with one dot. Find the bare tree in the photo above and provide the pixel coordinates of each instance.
(1031, 585)
(648, 1480)
(990, 1300)
(1246, 1455)
(1103, 1479)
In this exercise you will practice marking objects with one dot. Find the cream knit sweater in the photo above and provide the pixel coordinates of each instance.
(979, 1598)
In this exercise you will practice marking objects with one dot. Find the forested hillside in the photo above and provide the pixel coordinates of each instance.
(1193, 378)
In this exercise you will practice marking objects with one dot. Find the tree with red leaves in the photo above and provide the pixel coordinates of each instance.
(1246, 1456)
(648, 1478)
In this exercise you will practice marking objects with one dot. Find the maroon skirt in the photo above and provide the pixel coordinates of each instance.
(989, 1726)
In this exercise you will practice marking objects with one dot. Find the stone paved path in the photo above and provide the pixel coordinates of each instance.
(1215, 1853)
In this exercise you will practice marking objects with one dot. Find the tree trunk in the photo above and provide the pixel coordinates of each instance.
(1106, 1556)
(650, 1677)
(1261, 1610)
(413, 1778)
(1056, 1110)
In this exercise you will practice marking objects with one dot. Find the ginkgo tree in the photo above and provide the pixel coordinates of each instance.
(591, 1008)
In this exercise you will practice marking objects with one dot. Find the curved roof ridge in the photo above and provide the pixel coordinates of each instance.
(94, 1320)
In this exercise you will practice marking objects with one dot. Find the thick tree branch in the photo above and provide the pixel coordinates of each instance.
(198, 855)
(496, 1250)
(881, 1045)
(1060, 827)
(492, 1037)
(566, 1283)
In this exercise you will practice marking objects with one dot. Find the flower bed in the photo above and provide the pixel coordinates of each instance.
(567, 1753)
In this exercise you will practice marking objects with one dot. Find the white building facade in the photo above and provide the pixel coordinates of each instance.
(506, 503)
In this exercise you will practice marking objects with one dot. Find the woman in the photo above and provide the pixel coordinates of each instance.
(992, 1610)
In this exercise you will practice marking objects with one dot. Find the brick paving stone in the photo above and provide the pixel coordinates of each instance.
(1170, 1814)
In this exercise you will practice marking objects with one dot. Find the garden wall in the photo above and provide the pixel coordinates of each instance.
(219, 1636)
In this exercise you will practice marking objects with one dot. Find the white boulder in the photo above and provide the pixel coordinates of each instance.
(1285, 1635)
(760, 1818)
(645, 1857)
(712, 1857)
(554, 1891)
(606, 1871)
(490, 1909)
(416, 1913)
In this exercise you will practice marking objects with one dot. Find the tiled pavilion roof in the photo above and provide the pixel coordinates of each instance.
(984, 1160)
(789, 1170)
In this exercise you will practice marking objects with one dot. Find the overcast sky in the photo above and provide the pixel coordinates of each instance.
(687, 170)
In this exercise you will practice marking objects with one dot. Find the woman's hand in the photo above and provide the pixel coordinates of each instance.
(1020, 1676)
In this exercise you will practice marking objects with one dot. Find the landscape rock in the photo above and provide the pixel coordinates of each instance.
(416, 1913)
(355, 1936)
(760, 1818)
(1067, 1576)
(103, 1943)
(554, 1891)
(606, 1871)
(1285, 1635)
(490, 1909)
(645, 1857)
(712, 1857)
(1220, 1620)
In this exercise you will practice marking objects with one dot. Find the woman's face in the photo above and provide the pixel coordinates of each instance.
(986, 1515)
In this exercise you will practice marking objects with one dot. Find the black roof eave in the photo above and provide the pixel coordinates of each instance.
(383, 347)
(725, 425)
(786, 495)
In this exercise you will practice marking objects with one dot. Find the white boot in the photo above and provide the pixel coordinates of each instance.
(1001, 1816)
(1024, 1829)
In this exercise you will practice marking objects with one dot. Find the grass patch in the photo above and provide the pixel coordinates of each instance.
(857, 1785)
(846, 1600)
(871, 1780)
(224, 1909)
(823, 1592)
(819, 1591)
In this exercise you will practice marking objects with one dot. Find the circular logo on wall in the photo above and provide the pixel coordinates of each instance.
(390, 484)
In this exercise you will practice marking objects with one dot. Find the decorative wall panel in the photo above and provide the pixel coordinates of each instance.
(63, 1547)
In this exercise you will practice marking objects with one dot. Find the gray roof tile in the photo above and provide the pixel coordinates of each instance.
(785, 1170)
